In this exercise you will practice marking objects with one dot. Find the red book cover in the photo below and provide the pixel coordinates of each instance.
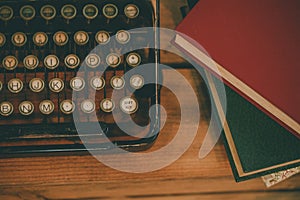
(256, 47)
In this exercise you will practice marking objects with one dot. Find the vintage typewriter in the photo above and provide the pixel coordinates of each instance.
(61, 61)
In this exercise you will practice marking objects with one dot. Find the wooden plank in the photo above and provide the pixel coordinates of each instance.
(189, 188)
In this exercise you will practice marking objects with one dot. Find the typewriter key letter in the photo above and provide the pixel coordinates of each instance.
(6, 108)
(26, 108)
(46, 107)
(72, 61)
(36, 85)
(31, 62)
(56, 85)
(15, 85)
(92, 60)
(77, 83)
(10, 62)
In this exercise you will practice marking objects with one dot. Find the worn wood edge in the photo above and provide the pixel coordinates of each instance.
(154, 189)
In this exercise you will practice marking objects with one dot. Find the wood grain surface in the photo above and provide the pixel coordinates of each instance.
(82, 177)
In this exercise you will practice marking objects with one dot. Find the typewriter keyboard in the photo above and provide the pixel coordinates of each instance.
(58, 57)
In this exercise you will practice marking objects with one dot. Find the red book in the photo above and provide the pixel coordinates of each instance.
(256, 47)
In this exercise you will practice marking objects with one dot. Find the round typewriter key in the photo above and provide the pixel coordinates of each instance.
(51, 61)
(136, 81)
(88, 106)
(92, 60)
(81, 37)
(110, 11)
(36, 85)
(107, 105)
(67, 106)
(113, 59)
(19, 39)
(46, 107)
(26, 107)
(6, 13)
(72, 61)
(123, 36)
(2, 39)
(128, 105)
(131, 11)
(68, 11)
(56, 85)
(31, 62)
(60, 38)
(133, 59)
(117, 82)
(6, 108)
(102, 37)
(27, 12)
(48, 12)
(40, 38)
(90, 11)
(15, 85)
(97, 82)
(10, 62)
(77, 83)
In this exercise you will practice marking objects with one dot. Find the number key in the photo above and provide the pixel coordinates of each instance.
(6, 13)
(90, 11)
(110, 11)
(48, 12)
(27, 12)
(131, 11)
(68, 11)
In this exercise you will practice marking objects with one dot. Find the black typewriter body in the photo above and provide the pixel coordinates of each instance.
(61, 61)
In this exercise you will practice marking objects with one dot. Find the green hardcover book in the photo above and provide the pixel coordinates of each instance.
(256, 145)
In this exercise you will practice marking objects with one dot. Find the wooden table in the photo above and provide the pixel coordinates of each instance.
(83, 177)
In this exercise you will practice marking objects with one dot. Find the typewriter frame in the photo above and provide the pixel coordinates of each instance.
(16, 138)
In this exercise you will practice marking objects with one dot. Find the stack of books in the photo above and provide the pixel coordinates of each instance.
(255, 46)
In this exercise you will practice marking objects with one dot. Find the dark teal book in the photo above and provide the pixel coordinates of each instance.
(256, 145)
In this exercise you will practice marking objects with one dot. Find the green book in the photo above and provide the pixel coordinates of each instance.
(256, 145)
